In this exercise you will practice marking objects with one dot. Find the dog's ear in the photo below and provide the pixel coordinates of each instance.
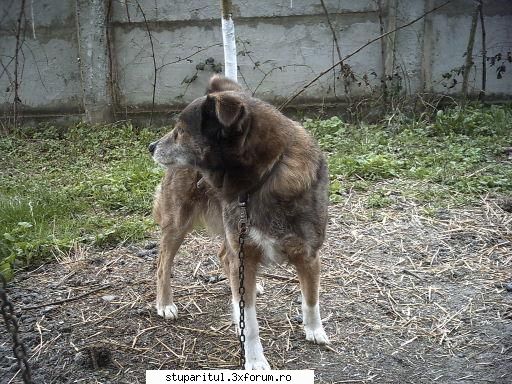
(229, 109)
(220, 83)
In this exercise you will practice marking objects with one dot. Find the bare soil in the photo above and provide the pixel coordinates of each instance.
(408, 296)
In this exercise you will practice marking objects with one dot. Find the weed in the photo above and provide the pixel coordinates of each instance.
(473, 120)
(459, 150)
(378, 199)
(87, 185)
(93, 185)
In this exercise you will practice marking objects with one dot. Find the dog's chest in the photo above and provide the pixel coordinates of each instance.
(268, 245)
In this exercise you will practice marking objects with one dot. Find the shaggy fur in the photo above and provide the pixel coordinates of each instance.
(224, 145)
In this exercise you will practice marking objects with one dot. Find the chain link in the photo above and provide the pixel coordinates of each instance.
(11, 323)
(242, 233)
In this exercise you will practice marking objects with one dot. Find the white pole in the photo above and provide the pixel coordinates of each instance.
(228, 39)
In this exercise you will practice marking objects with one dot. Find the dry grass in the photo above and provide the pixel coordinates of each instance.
(408, 295)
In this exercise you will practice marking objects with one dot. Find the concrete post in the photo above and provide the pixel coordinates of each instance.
(387, 19)
(94, 60)
(428, 49)
(389, 41)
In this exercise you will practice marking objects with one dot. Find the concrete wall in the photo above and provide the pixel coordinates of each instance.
(450, 42)
(49, 76)
(93, 57)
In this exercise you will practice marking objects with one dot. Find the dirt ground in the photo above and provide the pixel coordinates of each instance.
(408, 296)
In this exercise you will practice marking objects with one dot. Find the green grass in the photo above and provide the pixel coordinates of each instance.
(87, 185)
(457, 152)
(93, 185)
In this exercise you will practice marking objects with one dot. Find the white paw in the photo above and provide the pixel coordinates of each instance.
(257, 363)
(169, 311)
(259, 289)
(316, 335)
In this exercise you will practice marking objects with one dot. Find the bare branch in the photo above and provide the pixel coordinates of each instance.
(154, 61)
(127, 11)
(469, 51)
(111, 72)
(39, 74)
(16, 62)
(334, 41)
(333, 31)
(6, 70)
(383, 56)
(484, 52)
(294, 96)
(180, 59)
(281, 67)
(11, 59)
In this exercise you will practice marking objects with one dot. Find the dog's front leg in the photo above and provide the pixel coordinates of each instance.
(169, 245)
(254, 357)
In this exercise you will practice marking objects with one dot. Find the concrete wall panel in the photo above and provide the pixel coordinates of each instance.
(274, 59)
(64, 62)
(451, 40)
(135, 63)
(40, 14)
(48, 68)
(196, 10)
(409, 45)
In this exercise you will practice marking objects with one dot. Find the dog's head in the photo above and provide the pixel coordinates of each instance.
(208, 130)
(235, 141)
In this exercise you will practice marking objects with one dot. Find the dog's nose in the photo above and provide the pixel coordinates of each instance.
(152, 147)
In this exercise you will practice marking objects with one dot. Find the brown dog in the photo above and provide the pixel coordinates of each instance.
(228, 146)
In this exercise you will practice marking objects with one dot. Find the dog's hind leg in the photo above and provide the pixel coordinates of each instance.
(308, 270)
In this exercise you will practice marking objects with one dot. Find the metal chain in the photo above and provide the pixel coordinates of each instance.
(242, 232)
(11, 323)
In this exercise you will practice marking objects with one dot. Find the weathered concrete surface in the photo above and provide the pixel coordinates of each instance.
(195, 10)
(94, 60)
(451, 45)
(282, 45)
(274, 59)
(48, 72)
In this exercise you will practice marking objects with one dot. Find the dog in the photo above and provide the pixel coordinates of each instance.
(228, 147)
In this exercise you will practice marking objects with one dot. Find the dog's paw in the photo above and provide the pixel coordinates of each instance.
(316, 335)
(169, 311)
(259, 363)
(259, 289)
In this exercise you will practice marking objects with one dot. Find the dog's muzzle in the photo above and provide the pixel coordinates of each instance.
(152, 147)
